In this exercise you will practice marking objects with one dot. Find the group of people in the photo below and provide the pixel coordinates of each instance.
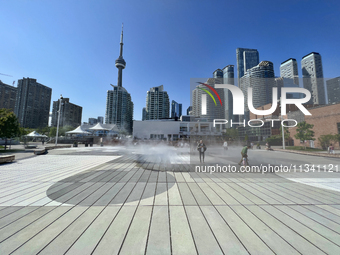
(244, 152)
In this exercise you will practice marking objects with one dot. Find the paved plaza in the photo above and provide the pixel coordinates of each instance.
(115, 200)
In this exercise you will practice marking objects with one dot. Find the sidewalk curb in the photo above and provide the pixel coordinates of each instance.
(310, 153)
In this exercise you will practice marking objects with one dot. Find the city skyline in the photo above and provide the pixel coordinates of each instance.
(74, 55)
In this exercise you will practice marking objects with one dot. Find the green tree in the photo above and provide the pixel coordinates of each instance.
(230, 134)
(304, 132)
(325, 140)
(53, 132)
(9, 125)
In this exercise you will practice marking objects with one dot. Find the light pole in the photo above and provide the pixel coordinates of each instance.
(283, 130)
(56, 137)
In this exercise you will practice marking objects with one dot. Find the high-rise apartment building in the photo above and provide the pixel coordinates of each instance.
(262, 79)
(119, 106)
(312, 74)
(157, 103)
(333, 90)
(176, 109)
(32, 103)
(213, 111)
(246, 59)
(289, 71)
(70, 114)
(8, 96)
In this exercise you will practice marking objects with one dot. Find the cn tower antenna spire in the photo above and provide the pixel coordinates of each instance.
(120, 62)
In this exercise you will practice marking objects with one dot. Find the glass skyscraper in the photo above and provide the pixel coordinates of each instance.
(246, 59)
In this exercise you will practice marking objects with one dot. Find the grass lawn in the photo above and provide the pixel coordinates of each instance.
(301, 148)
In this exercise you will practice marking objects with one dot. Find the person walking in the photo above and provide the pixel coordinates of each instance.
(201, 149)
(225, 145)
(244, 153)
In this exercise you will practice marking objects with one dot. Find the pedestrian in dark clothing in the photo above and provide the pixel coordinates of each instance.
(201, 149)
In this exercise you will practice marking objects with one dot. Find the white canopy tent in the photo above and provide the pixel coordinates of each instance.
(35, 134)
(99, 127)
(78, 130)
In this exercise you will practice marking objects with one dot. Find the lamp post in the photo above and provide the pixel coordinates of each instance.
(56, 137)
(283, 130)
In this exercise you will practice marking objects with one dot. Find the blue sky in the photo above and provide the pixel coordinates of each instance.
(71, 46)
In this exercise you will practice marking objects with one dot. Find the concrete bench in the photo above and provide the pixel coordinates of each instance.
(30, 147)
(7, 158)
(40, 152)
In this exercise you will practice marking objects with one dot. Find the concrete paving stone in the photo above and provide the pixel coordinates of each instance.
(182, 241)
(226, 238)
(227, 198)
(280, 199)
(39, 241)
(89, 239)
(148, 194)
(159, 234)
(235, 194)
(198, 194)
(15, 215)
(186, 195)
(16, 240)
(21, 223)
(248, 238)
(64, 240)
(91, 199)
(114, 236)
(297, 241)
(136, 238)
(136, 194)
(179, 177)
(267, 235)
(324, 213)
(106, 198)
(205, 240)
(307, 194)
(322, 243)
(174, 195)
(328, 209)
(123, 194)
(211, 194)
(273, 190)
(255, 199)
(262, 195)
(316, 222)
(161, 197)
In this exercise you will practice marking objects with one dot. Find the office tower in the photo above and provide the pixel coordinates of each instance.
(333, 90)
(228, 78)
(144, 114)
(279, 83)
(32, 104)
(7, 96)
(246, 59)
(189, 110)
(262, 79)
(100, 119)
(213, 111)
(70, 114)
(176, 110)
(119, 107)
(157, 103)
(312, 75)
(93, 121)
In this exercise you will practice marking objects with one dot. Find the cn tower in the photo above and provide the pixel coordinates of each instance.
(120, 62)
